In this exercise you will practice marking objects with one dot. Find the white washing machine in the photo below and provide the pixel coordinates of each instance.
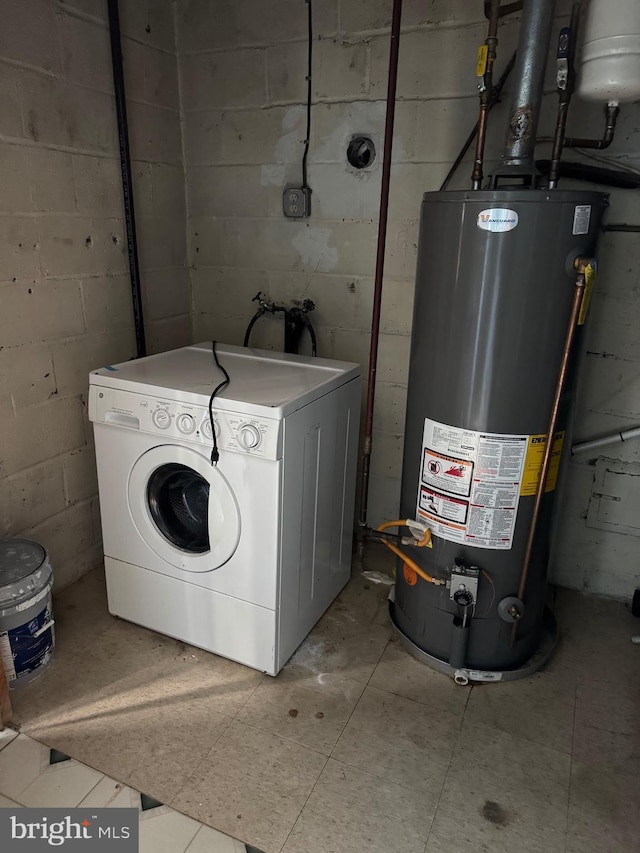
(243, 557)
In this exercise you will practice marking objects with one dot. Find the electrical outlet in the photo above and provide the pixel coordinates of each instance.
(296, 202)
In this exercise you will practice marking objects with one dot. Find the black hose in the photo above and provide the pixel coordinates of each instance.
(307, 323)
(314, 344)
(594, 174)
(127, 180)
(252, 323)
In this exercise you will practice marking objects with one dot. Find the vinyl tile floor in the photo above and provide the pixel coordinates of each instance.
(355, 747)
(33, 775)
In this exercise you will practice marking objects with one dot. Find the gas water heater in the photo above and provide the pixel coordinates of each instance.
(502, 287)
(494, 293)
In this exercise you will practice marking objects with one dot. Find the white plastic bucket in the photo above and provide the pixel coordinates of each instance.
(27, 637)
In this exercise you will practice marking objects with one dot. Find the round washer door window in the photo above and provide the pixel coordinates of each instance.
(178, 499)
(184, 508)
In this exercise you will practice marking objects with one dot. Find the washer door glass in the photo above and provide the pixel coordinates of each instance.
(178, 499)
(184, 508)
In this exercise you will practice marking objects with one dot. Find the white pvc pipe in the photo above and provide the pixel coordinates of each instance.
(625, 435)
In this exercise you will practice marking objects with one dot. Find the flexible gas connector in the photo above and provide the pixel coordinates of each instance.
(424, 542)
(420, 542)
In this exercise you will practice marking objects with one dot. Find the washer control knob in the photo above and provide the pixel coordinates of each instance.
(249, 436)
(186, 423)
(205, 428)
(161, 418)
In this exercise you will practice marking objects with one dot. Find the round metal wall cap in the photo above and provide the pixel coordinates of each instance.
(361, 152)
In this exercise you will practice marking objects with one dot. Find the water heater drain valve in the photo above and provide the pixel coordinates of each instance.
(511, 609)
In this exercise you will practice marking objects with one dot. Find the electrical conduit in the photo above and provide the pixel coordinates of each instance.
(127, 180)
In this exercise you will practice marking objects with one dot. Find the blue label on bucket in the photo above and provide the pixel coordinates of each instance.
(28, 646)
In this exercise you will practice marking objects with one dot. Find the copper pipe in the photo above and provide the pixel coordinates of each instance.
(565, 96)
(382, 237)
(578, 296)
(611, 112)
(477, 174)
(558, 142)
(495, 99)
(486, 92)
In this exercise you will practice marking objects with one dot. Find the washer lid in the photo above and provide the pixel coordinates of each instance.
(24, 568)
(261, 382)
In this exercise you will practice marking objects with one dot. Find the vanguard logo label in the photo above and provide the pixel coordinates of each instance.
(79, 830)
(497, 219)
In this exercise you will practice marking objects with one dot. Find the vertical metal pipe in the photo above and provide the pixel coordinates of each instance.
(127, 180)
(531, 61)
(495, 98)
(565, 97)
(558, 141)
(486, 92)
(382, 237)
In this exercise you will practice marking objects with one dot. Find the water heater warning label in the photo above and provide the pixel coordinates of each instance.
(470, 484)
(581, 218)
(443, 506)
(447, 472)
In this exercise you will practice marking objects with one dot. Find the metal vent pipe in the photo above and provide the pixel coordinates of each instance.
(531, 62)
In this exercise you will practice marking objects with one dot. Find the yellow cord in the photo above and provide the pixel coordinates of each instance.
(422, 543)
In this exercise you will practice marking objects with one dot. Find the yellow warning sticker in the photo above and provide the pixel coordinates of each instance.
(481, 64)
(533, 463)
(590, 273)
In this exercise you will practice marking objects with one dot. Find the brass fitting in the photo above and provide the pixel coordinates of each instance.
(580, 264)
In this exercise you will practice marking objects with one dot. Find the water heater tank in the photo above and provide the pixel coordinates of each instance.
(494, 290)
(609, 63)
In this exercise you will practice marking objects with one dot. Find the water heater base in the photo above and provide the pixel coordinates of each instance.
(548, 641)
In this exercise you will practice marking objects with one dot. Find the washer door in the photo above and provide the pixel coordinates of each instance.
(183, 508)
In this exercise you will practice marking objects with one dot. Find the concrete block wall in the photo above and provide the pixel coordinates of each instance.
(243, 93)
(65, 303)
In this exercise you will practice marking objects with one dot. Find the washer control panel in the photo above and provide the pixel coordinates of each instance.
(234, 431)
